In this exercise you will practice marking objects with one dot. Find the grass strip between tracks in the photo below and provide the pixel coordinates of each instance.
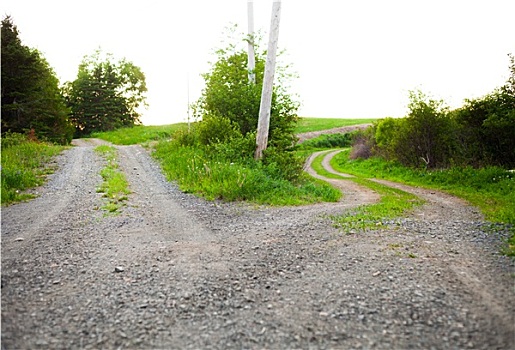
(115, 186)
(393, 204)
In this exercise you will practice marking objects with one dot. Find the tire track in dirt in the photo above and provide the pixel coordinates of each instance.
(440, 206)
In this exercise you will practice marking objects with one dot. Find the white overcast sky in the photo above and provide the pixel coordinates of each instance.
(355, 59)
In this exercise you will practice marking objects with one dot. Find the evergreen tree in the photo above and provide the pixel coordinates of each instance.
(106, 95)
(31, 98)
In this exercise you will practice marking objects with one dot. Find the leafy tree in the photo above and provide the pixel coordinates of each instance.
(106, 95)
(487, 127)
(31, 98)
(229, 94)
(423, 138)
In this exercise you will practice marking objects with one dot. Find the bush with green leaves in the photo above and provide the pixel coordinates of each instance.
(229, 111)
(479, 134)
(486, 127)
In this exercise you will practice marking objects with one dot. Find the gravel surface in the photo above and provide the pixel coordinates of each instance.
(173, 271)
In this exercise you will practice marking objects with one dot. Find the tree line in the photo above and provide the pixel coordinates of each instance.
(106, 94)
(478, 134)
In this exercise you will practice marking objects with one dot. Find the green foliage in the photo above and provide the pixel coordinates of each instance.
(23, 165)
(139, 134)
(486, 130)
(31, 98)
(229, 108)
(393, 204)
(198, 170)
(216, 129)
(424, 136)
(327, 141)
(115, 186)
(229, 94)
(480, 133)
(106, 95)
(317, 124)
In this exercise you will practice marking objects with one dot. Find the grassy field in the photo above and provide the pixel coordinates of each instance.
(317, 124)
(139, 134)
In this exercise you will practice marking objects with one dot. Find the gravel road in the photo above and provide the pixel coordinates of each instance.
(173, 271)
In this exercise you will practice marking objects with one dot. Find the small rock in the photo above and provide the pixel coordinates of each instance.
(119, 269)
(19, 239)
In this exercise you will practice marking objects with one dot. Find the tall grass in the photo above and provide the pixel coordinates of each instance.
(139, 134)
(198, 173)
(317, 124)
(24, 165)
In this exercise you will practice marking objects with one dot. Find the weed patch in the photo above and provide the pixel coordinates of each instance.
(198, 172)
(115, 186)
(24, 166)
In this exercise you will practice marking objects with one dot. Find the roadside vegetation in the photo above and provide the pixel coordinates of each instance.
(468, 152)
(24, 165)
(115, 186)
(215, 159)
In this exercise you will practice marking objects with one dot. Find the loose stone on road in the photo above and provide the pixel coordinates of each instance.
(174, 271)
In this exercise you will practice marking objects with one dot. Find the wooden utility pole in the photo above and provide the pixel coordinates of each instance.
(268, 82)
(251, 55)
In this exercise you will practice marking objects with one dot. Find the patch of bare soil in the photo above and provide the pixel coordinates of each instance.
(173, 271)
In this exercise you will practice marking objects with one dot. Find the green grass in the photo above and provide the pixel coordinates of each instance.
(197, 173)
(317, 124)
(115, 186)
(24, 166)
(491, 189)
(393, 204)
(139, 134)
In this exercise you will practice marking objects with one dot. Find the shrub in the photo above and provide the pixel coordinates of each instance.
(216, 129)
(283, 165)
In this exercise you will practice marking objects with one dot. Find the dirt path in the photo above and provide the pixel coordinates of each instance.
(196, 274)
(341, 130)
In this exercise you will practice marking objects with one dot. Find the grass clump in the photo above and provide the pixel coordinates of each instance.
(24, 165)
(393, 204)
(317, 124)
(491, 189)
(139, 134)
(115, 186)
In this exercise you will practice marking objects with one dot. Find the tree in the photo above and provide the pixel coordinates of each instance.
(229, 94)
(106, 95)
(31, 98)
(487, 127)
